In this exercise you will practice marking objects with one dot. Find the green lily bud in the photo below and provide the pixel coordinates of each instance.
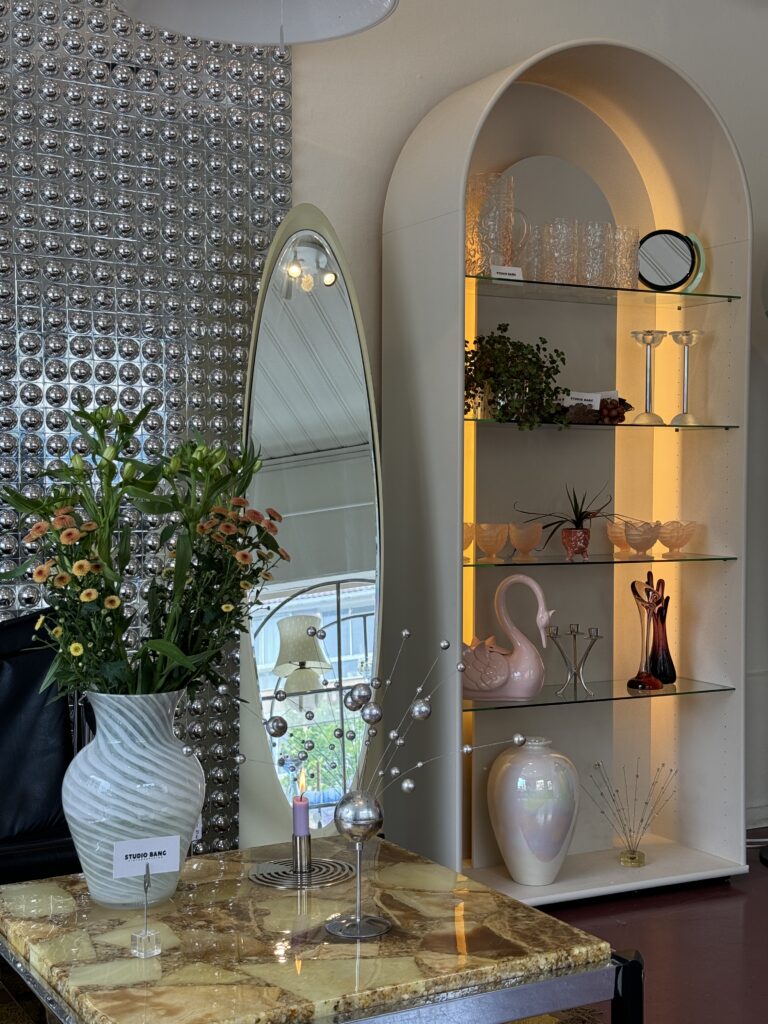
(129, 471)
(78, 463)
(109, 453)
(175, 464)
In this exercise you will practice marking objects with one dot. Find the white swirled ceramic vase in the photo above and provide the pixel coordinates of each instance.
(132, 781)
(533, 799)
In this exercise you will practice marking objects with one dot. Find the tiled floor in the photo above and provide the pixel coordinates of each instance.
(705, 946)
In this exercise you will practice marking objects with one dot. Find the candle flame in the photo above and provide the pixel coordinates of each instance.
(302, 782)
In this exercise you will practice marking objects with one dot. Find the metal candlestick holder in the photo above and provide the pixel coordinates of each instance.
(358, 816)
(573, 662)
(301, 871)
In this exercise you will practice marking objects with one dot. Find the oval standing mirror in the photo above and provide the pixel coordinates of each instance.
(310, 411)
(666, 259)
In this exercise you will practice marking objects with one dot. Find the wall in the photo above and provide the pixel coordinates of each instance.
(358, 99)
(141, 178)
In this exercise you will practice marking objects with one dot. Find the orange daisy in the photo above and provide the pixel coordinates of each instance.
(219, 510)
(270, 527)
(61, 579)
(243, 557)
(112, 602)
(254, 516)
(64, 510)
(274, 515)
(284, 554)
(69, 536)
(41, 572)
(89, 527)
(81, 568)
(228, 529)
(89, 594)
(63, 522)
(239, 502)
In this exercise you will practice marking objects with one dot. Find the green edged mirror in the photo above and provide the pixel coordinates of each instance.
(310, 411)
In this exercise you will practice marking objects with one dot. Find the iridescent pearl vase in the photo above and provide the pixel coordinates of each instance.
(533, 800)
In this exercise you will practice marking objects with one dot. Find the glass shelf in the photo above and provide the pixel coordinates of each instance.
(548, 291)
(611, 689)
(602, 558)
(609, 426)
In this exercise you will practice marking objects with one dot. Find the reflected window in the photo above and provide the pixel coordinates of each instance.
(303, 679)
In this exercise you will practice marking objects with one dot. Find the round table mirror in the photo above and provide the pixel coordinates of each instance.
(310, 412)
(667, 260)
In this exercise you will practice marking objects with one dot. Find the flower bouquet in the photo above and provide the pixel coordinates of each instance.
(214, 555)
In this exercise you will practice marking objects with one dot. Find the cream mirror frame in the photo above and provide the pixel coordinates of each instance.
(310, 408)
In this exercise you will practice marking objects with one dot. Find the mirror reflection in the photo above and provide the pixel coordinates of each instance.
(310, 414)
(667, 259)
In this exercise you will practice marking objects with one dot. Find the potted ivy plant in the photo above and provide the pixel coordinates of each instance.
(574, 526)
(512, 381)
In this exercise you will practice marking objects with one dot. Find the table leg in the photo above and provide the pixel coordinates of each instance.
(627, 1002)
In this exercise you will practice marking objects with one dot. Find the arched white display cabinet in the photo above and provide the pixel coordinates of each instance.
(661, 157)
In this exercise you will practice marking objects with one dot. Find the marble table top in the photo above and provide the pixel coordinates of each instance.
(238, 953)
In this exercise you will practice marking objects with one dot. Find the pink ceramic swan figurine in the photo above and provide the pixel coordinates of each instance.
(495, 673)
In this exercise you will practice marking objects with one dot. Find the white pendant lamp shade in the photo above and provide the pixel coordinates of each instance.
(259, 21)
(297, 649)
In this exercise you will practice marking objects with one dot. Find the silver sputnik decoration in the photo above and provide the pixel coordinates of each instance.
(358, 815)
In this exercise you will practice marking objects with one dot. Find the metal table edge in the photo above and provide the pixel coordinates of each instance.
(497, 1006)
(47, 995)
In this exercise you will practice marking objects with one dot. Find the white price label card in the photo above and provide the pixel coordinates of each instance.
(131, 856)
(198, 833)
(506, 273)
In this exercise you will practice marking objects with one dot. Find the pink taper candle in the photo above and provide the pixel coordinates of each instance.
(301, 809)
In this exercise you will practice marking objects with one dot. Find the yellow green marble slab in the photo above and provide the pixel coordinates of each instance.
(238, 953)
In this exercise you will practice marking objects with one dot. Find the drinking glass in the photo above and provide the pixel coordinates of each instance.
(558, 251)
(625, 256)
(594, 253)
(531, 261)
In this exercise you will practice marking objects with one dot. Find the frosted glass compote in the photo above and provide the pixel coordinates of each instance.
(491, 538)
(675, 534)
(641, 536)
(469, 536)
(617, 535)
(525, 537)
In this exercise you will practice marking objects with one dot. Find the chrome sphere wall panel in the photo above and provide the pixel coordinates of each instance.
(142, 175)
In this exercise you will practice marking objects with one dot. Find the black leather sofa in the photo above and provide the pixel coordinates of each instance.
(38, 737)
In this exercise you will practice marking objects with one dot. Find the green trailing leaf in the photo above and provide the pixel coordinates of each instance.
(172, 652)
(50, 676)
(17, 572)
(152, 504)
(183, 561)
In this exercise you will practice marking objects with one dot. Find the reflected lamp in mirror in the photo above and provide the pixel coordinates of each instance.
(301, 657)
(266, 23)
(669, 259)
